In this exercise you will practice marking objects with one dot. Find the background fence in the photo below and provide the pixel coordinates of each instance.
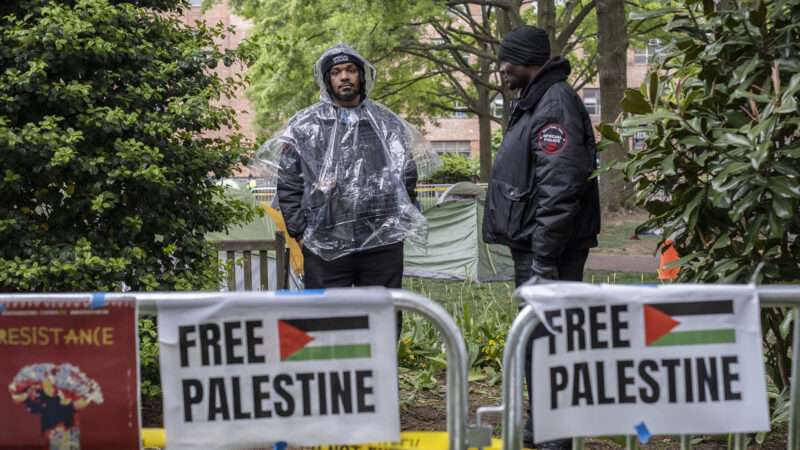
(427, 194)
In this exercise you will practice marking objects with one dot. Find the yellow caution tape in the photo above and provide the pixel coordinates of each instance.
(154, 438)
(421, 440)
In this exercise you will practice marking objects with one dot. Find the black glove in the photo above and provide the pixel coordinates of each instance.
(544, 270)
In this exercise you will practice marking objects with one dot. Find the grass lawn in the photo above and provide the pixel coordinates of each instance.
(491, 294)
(484, 313)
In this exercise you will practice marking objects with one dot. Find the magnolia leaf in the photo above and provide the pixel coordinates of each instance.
(758, 157)
(649, 119)
(786, 325)
(608, 132)
(788, 106)
(783, 207)
(734, 139)
(740, 74)
(652, 88)
(776, 227)
(784, 187)
(635, 103)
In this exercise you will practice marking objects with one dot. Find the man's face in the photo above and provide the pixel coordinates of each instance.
(345, 81)
(514, 76)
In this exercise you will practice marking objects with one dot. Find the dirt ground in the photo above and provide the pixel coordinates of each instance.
(616, 233)
(428, 413)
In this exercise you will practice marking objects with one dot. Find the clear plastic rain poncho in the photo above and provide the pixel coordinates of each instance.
(343, 175)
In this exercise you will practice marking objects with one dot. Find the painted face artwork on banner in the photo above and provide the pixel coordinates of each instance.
(70, 372)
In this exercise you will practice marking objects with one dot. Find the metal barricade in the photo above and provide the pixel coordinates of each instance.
(455, 346)
(527, 320)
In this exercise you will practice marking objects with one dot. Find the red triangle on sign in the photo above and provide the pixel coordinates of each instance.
(291, 339)
(657, 324)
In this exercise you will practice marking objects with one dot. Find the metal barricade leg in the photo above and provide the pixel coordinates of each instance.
(513, 366)
(794, 418)
(738, 441)
(457, 370)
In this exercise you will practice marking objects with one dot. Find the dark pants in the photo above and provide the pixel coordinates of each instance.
(570, 268)
(382, 266)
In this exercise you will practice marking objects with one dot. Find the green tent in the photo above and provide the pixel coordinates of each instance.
(455, 247)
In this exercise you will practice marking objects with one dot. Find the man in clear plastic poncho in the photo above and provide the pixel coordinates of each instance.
(346, 170)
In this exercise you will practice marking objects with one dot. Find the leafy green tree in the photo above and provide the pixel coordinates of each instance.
(288, 37)
(719, 172)
(112, 143)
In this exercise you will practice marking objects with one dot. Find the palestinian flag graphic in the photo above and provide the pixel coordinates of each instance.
(324, 338)
(689, 323)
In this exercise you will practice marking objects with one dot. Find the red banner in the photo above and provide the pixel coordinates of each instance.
(68, 375)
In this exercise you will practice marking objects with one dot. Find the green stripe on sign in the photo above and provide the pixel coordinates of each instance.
(697, 337)
(332, 352)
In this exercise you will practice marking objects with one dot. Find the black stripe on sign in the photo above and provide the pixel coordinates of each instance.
(330, 323)
(695, 308)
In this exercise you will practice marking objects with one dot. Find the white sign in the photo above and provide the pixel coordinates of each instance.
(677, 359)
(305, 370)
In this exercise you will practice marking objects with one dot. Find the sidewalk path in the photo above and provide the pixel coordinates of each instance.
(622, 263)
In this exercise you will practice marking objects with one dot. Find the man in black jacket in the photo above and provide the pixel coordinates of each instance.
(541, 201)
(346, 179)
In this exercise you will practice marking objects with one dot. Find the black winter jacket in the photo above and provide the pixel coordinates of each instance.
(540, 195)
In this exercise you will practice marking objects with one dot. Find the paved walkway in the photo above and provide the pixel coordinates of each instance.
(622, 263)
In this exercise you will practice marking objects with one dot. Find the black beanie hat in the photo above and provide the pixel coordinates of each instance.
(525, 46)
(340, 58)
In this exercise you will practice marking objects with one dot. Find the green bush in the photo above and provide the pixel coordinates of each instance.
(110, 150)
(454, 169)
(719, 171)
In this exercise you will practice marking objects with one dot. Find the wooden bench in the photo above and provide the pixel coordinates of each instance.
(259, 249)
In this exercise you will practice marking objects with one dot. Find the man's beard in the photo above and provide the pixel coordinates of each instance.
(352, 95)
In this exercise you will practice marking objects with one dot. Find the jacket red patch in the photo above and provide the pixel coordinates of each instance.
(551, 138)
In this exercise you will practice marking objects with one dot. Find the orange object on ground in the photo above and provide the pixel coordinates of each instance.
(668, 255)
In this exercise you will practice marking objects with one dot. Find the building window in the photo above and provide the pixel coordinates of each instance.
(645, 55)
(591, 99)
(460, 112)
(452, 147)
(497, 106)
(640, 56)
(639, 139)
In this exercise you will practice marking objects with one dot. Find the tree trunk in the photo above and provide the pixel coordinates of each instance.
(504, 26)
(612, 52)
(485, 124)
(546, 19)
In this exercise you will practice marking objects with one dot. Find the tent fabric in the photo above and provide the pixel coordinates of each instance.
(455, 249)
